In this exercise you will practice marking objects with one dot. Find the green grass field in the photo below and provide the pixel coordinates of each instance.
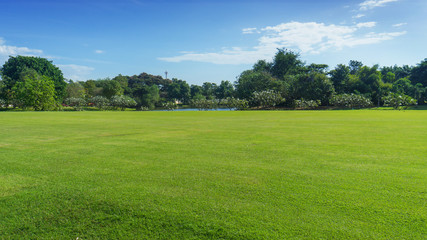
(358, 174)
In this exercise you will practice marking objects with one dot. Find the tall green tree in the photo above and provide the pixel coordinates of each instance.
(286, 62)
(196, 90)
(311, 86)
(399, 72)
(179, 90)
(340, 77)
(91, 90)
(123, 81)
(225, 90)
(150, 96)
(14, 67)
(33, 90)
(419, 73)
(262, 66)
(355, 66)
(110, 88)
(74, 90)
(209, 90)
(250, 81)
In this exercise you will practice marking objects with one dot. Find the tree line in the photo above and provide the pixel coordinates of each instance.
(36, 83)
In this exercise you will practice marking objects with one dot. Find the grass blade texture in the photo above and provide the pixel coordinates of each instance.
(358, 174)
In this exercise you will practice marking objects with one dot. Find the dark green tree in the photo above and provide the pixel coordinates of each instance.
(196, 90)
(33, 90)
(262, 66)
(209, 90)
(354, 66)
(225, 90)
(317, 68)
(110, 88)
(286, 62)
(179, 90)
(150, 96)
(250, 82)
(340, 77)
(123, 81)
(399, 72)
(14, 67)
(74, 90)
(91, 90)
(311, 86)
(419, 73)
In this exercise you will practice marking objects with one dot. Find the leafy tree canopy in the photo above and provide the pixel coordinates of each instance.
(14, 67)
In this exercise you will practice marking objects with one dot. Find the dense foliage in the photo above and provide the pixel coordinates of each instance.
(14, 67)
(306, 104)
(75, 102)
(122, 102)
(33, 90)
(267, 98)
(266, 85)
(100, 102)
(398, 100)
(350, 101)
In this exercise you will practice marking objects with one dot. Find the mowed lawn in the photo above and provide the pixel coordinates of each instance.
(358, 174)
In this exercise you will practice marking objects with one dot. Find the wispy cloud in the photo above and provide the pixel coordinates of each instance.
(370, 4)
(305, 37)
(359, 16)
(99, 51)
(399, 24)
(249, 30)
(76, 72)
(7, 50)
(366, 24)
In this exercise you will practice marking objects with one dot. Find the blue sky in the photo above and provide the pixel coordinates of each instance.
(207, 40)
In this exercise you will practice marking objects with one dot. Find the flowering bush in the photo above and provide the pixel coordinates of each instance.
(306, 104)
(122, 102)
(76, 103)
(267, 98)
(100, 102)
(2, 103)
(350, 101)
(170, 105)
(396, 100)
(205, 104)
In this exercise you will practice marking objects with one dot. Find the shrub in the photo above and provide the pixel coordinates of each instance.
(76, 103)
(2, 103)
(235, 103)
(170, 105)
(122, 102)
(267, 98)
(205, 104)
(350, 101)
(306, 104)
(396, 100)
(100, 102)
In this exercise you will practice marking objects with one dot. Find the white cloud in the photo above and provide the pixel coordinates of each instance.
(399, 24)
(359, 15)
(249, 30)
(366, 25)
(307, 38)
(370, 4)
(7, 50)
(99, 51)
(75, 72)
